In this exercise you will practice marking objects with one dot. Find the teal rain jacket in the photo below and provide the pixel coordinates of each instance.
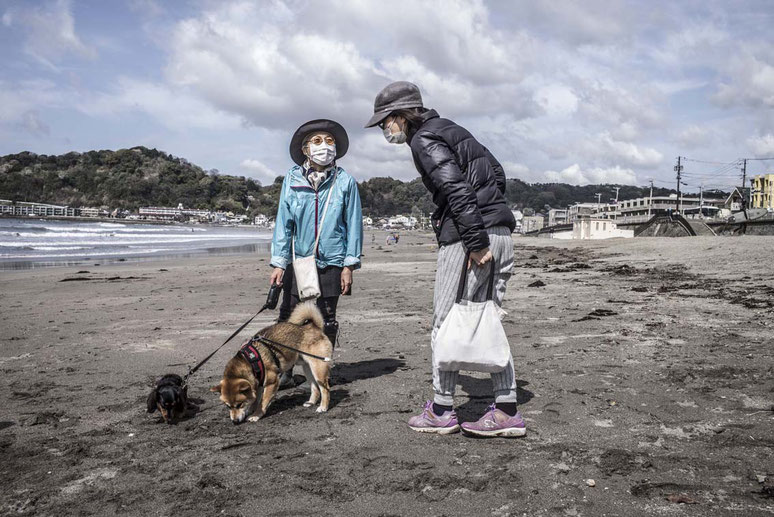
(299, 214)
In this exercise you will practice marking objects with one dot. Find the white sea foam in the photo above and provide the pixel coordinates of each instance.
(145, 251)
(58, 248)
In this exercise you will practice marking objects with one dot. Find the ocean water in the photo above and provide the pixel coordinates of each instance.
(27, 243)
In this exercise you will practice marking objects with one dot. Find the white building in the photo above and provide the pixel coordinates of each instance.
(578, 210)
(163, 212)
(402, 221)
(88, 211)
(640, 210)
(592, 228)
(557, 216)
(23, 208)
(531, 223)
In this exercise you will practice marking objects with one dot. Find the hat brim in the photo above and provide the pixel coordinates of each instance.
(378, 117)
(316, 126)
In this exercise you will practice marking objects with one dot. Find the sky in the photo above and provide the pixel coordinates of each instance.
(581, 92)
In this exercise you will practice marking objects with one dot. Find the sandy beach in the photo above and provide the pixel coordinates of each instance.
(644, 365)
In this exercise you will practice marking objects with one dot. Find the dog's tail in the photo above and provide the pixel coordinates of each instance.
(307, 311)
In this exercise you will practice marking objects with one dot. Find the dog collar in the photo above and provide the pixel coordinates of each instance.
(251, 355)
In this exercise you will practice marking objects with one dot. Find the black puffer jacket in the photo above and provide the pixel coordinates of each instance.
(466, 181)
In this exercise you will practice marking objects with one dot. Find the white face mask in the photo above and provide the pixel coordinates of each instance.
(322, 154)
(394, 138)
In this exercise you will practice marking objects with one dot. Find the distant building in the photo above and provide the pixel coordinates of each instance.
(87, 211)
(579, 210)
(162, 212)
(261, 220)
(641, 210)
(23, 208)
(591, 229)
(557, 216)
(402, 221)
(735, 199)
(367, 221)
(532, 223)
(763, 191)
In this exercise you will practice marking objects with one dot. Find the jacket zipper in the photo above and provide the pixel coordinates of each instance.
(316, 203)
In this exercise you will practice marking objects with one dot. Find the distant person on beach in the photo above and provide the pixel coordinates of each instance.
(315, 148)
(468, 185)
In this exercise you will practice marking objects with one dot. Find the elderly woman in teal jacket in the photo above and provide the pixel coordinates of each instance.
(317, 181)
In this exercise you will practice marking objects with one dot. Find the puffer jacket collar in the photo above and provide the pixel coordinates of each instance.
(427, 115)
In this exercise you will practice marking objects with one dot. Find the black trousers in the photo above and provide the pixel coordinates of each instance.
(326, 304)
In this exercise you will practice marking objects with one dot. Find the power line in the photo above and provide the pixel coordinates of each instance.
(705, 161)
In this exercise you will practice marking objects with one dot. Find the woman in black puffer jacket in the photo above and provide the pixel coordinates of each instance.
(472, 219)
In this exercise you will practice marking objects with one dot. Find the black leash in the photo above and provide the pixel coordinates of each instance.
(269, 343)
(271, 303)
(191, 371)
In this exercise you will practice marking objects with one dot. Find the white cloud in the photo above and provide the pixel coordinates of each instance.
(576, 175)
(625, 152)
(50, 32)
(694, 136)
(762, 146)
(173, 107)
(519, 171)
(611, 88)
(21, 101)
(556, 100)
(751, 82)
(259, 170)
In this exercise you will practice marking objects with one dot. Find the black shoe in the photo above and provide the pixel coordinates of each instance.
(287, 381)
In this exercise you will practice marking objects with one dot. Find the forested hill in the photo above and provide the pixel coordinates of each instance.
(130, 178)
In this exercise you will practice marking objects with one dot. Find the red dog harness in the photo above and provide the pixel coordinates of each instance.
(251, 355)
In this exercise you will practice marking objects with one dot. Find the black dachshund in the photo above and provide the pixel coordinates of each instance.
(170, 397)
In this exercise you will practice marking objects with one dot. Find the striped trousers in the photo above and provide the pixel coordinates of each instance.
(447, 277)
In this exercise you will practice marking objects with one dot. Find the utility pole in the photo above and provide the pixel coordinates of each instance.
(701, 200)
(599, 197)
(678, 169)
(650, 199)
(616, 194)
(744, 180)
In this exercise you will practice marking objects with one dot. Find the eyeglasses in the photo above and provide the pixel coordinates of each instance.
(319, 139)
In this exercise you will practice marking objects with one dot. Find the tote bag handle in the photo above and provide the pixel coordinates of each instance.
(464, 278)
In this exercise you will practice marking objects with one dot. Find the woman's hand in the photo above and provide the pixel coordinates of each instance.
(480, 257)
(276, 276)
(346, 279)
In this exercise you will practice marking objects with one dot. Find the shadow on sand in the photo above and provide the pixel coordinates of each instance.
(341, 374)
(345, 373)
(480, 395)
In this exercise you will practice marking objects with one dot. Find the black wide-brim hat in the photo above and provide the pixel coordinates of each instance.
(315, 126)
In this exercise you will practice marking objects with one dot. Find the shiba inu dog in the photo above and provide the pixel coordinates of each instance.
(252, 377)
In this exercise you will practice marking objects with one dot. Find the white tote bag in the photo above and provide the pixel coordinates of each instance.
(472, 336)
(305, 268)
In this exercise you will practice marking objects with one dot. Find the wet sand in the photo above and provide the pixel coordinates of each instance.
(643, 364)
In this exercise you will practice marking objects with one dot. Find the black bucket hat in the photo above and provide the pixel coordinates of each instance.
(315, 126)
(395, 96)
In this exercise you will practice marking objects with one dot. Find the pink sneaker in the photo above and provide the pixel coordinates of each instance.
(496, 423)
(429, 422)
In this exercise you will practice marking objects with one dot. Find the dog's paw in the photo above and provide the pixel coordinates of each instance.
(322, 409)
(254, 418)
(308, 404)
